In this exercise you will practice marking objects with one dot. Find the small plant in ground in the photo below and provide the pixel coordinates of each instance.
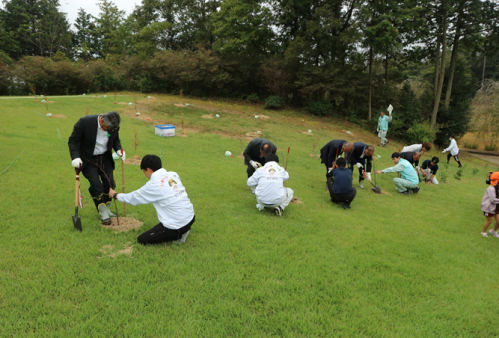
(475, 169)
(46, 103)
(458, 174)
(136, 141)
(33, 90)
(274, 102)
(253, 98)
(86, 110)
(443, 176)
(115, 93)
(182, 121)
(491, 147)
(262, 125)
(470, 145)
(315, 144)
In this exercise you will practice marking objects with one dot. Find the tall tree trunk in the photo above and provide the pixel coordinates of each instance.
(370, 71)
(483, 72)
(437, 69)
(453, 60)
(442, 71)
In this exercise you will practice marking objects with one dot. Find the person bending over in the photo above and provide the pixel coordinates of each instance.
(168, 196)
(422, 148)
(332, 150)
(340, 184)
(358, 157)
(412, 158)
(90, 147)
(408, 182)
(268, 183)
(429, 170)
(255, 152)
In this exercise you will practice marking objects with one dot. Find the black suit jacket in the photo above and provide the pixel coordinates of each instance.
(82, 140)
(331, 151)
(354, 156)
(409, 157)
(252, 151)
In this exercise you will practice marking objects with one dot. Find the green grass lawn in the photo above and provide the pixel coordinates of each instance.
(408, 266)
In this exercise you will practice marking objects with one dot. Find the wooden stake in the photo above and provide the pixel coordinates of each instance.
(123, 185)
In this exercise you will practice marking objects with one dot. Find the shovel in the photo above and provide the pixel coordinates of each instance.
(375, 188)
(76, 218)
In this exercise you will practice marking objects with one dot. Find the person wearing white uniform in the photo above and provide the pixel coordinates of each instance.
(417, 148)
(453, 149)
(268, 182)
(167, 193)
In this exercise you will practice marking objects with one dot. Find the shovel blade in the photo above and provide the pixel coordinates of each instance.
(376, 189)
(77, 220)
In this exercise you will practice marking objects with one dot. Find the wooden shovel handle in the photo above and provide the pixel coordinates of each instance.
(77, 171)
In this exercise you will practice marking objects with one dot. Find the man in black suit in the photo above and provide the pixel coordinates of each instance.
(332, 150)
(361, 154)
(255, 152)
(90, 147)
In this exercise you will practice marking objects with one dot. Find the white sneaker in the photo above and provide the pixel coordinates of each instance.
(493, 233)
(484, 234)
(183, 238)
(260, 207)
(361, 184)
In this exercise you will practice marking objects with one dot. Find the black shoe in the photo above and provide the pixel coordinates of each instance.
(345, 206)
(278, 211)
(405, 192)
(416, 190)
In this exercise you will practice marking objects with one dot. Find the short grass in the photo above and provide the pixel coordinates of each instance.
(391, 266)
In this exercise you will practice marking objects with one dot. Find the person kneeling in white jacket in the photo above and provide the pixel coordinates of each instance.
(269, 186)
(167, 193)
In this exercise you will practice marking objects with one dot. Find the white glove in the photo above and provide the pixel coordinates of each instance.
(390, 113)
(368, 176)
(122, 154)
(255, 164)
(417, 168)
(377, 130)
(443, 152)
(359, 165)
(76, 162)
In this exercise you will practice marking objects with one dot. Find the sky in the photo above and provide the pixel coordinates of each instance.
(71, 7)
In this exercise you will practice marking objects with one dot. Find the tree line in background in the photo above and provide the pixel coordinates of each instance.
(346, 58)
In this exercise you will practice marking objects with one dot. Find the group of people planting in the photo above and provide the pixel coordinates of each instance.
(94, 137)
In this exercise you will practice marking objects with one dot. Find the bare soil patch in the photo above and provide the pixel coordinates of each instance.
(263, 117)
(121, 103)
(207, 116)
(60, 116)
(296, 200)
(133, 161)
(109, 250)
(384, 193)
(307, 133)
(126, 224)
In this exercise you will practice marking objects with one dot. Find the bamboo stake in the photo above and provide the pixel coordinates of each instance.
(123, 184)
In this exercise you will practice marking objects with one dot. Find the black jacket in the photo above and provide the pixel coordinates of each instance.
(354, 156)
(252, 151)
(409, 157)
(331, 151)
(82, 140)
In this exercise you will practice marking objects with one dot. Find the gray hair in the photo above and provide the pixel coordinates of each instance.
(111, 119)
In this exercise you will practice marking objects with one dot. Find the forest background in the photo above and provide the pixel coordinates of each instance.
(343, 58)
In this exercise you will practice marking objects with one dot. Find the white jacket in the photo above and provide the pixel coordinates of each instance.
(454, 150)
(167, 193)
(413, 148)
(269, 183)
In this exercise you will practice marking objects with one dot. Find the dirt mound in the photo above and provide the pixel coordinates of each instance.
(207, 116)
(296, 200)
(125, 224)
(133, 161)
(263, 117)
(307, 133)
(60, 116)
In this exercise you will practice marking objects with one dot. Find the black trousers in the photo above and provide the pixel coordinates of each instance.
(99, 172)
(250, 170)
(351, 167)
(455, 157)
(343, 198)
(160, 234)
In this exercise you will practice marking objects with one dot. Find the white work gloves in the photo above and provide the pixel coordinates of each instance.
(76, 162)
(368, 176)
(255, 165)
(122, 154)
(443, 152)
(359, 165)
(417, 168)
(377, 129)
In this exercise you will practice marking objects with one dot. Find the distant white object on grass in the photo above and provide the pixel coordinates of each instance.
(105, 95)
(148, 97)
(309, 131)
(217, 116)
(129, 103)
(348, 132)
(187, 104)
(137, 114)
(256, 116)
(83, 94)
(41, 95)
(228, 153)
(259, 132)
(43, 101)
(379, 156)
(49, 114)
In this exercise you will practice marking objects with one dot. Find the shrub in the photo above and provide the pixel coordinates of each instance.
(470, 145)
(419, 132)
(491, 147)
(274, 102)
(252, 98)
(320, 108)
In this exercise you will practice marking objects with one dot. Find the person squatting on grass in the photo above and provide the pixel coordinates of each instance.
(358, 156)
(90, 147)
(409, 181)
(168, 196)
(429, 170)
(339, 184)
(383, 127)
(332, 150)
(423, 147)
(453, 151)
(268, 183)
(255, 152)
(490, 205)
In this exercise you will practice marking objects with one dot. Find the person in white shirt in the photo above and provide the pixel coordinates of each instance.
(268, 182)
(167, 193)
(417, 148)
(453, 150)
